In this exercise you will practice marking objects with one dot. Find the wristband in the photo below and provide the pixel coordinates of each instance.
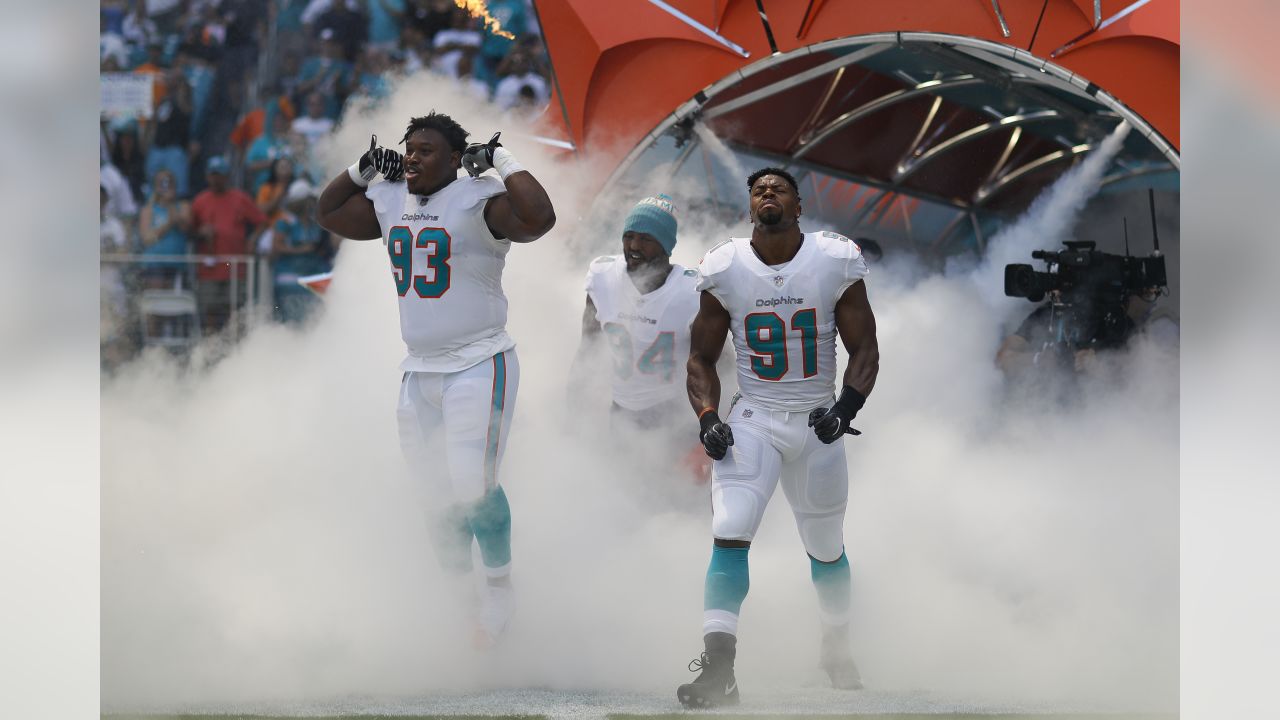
(707, 419)
(850, 402)
(706, 410)
(505, 163)
(353, 172)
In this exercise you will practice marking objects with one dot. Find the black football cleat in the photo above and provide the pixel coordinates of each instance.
(715, 686)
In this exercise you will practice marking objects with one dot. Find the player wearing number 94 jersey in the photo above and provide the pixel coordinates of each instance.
(784, 295)
(447, 238)
(641, 304)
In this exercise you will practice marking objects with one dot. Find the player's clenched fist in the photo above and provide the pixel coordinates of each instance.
(377, 160)
(716, 436)
(479, 157)
(831, 423)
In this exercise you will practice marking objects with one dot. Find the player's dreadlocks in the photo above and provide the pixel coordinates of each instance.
(445, 125)
(751, 181)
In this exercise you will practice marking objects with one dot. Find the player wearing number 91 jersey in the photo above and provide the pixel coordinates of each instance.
(447, 238)
(784, 295)
(783, 319)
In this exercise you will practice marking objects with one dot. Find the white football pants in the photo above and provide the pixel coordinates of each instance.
(474, 409)
(769, 445)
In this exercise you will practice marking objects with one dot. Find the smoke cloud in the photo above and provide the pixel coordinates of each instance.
(261, 541)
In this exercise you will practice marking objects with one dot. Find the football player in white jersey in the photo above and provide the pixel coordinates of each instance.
(784, 295)
(641, 304)
(447, 238)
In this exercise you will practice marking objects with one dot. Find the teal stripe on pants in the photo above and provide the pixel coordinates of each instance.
(495, 420)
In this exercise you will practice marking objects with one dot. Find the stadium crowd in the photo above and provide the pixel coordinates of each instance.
(222, 165)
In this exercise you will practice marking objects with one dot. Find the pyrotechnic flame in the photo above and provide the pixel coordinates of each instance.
(477, 9)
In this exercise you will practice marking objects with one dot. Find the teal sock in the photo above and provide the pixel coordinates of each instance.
(490, 519)
(451, 534)
(832, 581)
(727, 580)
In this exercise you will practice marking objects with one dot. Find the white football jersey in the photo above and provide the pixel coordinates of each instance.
(447, 268)
(783, 319)
(648, 334)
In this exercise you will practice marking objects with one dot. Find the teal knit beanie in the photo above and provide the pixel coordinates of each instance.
(657, 217)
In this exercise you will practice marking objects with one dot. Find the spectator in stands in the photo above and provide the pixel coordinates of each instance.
(171, 146)
(384, 23)
(167, 14)
(257, 121)
(120, 199)
(273, 144)
(299, 247)
(246, 23)
(127, 156)
(427, 17)
(461, 39)
(467, 79)
(154, 66)
(113, 52)
(227, 222)
(345, 19)
(314, 125)
(327, 73)
(414, 51)
(222, 133)
(290, 33)
(271, 194)
(517, 73)
(212, 28)
(371, 75)
(512, 15)
(162, 226)
(199, 75)
(287, 79)
(139, 31)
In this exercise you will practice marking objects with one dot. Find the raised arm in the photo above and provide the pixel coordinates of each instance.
(524, 212)
(344, 210)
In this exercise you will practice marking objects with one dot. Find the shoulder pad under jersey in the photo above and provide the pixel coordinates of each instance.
(598, 270)
(603, 263)
(837, 245)
(718, 258)
(480, 188)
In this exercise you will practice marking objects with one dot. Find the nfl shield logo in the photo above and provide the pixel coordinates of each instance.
(778, 280)
(747, 413)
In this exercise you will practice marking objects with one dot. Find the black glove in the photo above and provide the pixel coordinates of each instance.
(715, 436)
(381, 160)
(829, 424)
(478, 157)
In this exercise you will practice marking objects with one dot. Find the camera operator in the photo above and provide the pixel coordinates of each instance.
(1037, 347)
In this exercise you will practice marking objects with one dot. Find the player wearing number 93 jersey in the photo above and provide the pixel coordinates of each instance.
(784, 295)
(447, 239)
